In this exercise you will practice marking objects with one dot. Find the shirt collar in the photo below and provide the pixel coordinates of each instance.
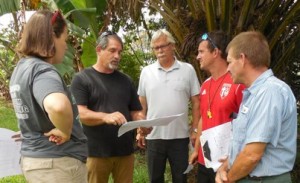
(260, 80)
(175, 65)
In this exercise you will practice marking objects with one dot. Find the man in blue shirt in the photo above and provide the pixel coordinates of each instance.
(265, 130)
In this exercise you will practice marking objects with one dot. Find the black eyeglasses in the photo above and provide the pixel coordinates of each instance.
(206, 37)
(54, 16)
(156, 48)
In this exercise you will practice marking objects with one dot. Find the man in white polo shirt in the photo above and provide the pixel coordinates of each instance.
(166, 87)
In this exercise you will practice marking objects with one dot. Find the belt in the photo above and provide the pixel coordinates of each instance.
(254, 178)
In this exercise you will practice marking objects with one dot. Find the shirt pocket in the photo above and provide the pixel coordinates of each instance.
(239, 127)
(179, 84)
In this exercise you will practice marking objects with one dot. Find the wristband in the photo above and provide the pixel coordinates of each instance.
(139, 131)
(195, 130)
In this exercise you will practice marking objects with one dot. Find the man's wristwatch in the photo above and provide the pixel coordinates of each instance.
(140, 131)
(195, 130)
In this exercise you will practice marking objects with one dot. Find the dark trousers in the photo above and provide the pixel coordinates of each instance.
(205, 175)
(175, 151)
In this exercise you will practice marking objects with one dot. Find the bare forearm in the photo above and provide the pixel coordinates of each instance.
(242, 167)
(91, 118)
(143, 101)
(246, 161)
(199, 132)
(142, 132)
(195, 119)
(195, 111)
(137, 115)
(59, 110)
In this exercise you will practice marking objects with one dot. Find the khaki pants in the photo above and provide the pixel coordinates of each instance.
(121, 167)
(44, 170)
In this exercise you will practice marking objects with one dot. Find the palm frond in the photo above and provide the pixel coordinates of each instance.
(8, 6)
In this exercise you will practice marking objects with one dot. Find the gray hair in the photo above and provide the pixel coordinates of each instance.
(162, 32)
(102, 40)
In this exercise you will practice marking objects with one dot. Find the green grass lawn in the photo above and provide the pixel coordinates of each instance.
(7, 116)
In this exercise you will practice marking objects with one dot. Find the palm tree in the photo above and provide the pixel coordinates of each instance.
(188, 19)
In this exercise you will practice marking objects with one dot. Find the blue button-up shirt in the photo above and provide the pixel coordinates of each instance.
(267, 114)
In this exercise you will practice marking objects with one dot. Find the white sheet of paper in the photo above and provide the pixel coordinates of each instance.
(217, 140)
(9, 154)
(147, 123)
(188, 169)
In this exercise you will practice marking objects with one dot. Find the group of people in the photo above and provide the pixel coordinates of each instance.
(70, 134)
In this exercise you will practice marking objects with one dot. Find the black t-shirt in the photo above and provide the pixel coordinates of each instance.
(106, 93)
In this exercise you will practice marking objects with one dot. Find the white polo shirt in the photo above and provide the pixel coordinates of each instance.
(168, 92)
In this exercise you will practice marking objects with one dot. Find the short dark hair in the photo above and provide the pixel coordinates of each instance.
(220, 39)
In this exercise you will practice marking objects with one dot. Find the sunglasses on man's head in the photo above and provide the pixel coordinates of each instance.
(107, 33)
(104, 35)
(207, 38)
(54, 16)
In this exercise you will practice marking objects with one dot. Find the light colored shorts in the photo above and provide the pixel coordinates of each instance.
(46, 170)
